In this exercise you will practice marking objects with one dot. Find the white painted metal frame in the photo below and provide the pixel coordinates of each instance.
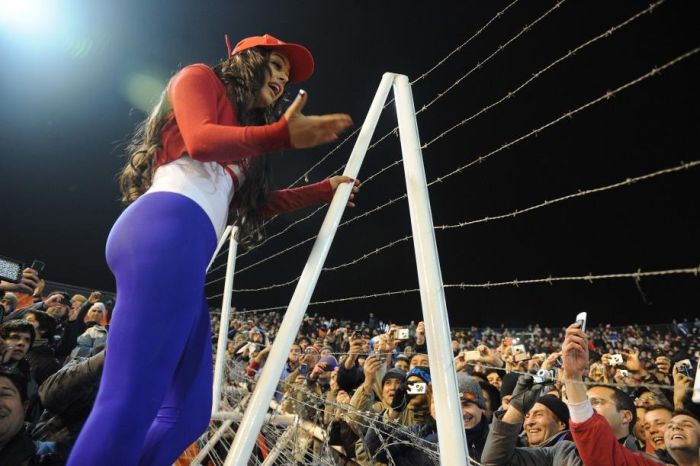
(452, 441)
(219, 364)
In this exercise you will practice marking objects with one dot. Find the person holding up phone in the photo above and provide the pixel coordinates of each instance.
(601, 418)
(9, 300)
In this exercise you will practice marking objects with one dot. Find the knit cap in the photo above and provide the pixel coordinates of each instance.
(556, 406)
(397, 374)
(469, 390)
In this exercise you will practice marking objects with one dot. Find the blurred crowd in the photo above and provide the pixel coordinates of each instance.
(362, 391)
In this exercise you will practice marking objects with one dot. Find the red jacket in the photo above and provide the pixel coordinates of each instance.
(597, 445)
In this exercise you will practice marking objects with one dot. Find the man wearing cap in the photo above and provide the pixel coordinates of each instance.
(415, 405)
(476, 425)
(364, 398)
(547, 422)
(363, 401)
(548, 448)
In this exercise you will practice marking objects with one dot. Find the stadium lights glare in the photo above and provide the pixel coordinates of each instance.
(28, 17)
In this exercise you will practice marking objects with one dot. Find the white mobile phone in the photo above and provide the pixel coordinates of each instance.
(581, 319)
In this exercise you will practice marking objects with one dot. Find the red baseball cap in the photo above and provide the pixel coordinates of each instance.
(300, 59)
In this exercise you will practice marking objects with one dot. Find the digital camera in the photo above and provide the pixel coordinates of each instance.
(417, 388)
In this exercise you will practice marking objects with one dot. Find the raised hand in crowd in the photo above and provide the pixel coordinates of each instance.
(460, 361)
(574, 356)
(682, 385)
(27, 284)
(420, 333)
(53, 300)
(316, 372)
(534, 363)
(632, 360)
(370, 368)
(526, 393)
(262, 355)
(550, 361)
(662, 370)
(94, 297)
(342, 399)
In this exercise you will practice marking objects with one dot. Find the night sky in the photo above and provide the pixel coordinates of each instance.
(72, 90)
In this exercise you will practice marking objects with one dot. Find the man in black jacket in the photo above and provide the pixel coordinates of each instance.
(68, 396)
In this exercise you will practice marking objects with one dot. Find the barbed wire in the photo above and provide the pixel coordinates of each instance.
(547, 203)
(539, 73)
(463, 44)
(638, 275)
(655, 71)
(500, 48)
(304, 176)
(479, 65)
(364, 419)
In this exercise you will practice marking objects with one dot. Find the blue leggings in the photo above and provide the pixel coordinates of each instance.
(155, 393)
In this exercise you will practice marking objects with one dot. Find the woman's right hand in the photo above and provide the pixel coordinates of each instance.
(313, 130)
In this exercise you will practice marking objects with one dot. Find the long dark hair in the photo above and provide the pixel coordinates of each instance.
(243, 76)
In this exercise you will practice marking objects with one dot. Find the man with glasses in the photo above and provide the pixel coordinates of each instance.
(597, 441)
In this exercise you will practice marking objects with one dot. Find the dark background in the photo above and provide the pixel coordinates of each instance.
(65, 117)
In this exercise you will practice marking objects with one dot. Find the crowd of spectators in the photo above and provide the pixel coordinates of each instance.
(365, 389)
(368, 385)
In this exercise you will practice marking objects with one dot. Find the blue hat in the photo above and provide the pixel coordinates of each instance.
(420, 371)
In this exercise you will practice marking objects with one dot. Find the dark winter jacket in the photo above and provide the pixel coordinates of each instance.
(68, 396)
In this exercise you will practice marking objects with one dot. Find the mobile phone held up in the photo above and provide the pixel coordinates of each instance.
(38, 266)
(10, 270)
(696, 385)
(581, 320)
(304, 370)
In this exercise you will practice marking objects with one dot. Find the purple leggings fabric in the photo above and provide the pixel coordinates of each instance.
(155, 393)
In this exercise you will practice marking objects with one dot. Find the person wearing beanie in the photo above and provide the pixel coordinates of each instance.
(504, 446)
(476, 424)
(395, 374)
(547, 422)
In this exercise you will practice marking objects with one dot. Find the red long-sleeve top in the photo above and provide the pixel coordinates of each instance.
(597, 445)
(203, 124)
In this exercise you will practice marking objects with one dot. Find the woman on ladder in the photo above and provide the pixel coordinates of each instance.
(200, 152)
